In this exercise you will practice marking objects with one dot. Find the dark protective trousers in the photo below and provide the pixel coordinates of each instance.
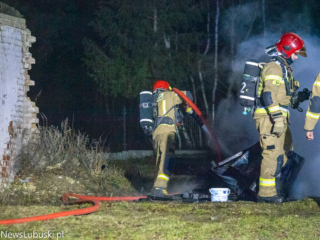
(164, 147)
(274, 150)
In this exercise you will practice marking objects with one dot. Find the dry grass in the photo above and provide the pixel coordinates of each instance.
(62, 148)
(61, 160)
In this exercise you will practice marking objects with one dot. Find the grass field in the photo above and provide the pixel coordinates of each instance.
(171, 220)
(154, 220)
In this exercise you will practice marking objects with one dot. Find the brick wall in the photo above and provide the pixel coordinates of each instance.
(17, 112)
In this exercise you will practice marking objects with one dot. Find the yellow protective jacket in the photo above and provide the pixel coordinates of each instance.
(275, 89)
(165, 101)
(313, 112)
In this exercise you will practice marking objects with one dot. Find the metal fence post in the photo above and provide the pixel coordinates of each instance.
(124, 129)
(200, 138)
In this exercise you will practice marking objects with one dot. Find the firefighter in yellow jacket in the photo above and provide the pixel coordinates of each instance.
(164, 134)
(313, 112)
(275, 90)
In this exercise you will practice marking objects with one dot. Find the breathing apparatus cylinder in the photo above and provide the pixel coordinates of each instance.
(249, 89)
(146, 112)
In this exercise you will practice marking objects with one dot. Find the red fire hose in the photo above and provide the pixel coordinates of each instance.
(204, 120)
(81, 199)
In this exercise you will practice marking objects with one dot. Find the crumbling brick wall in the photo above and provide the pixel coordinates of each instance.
(17, 112)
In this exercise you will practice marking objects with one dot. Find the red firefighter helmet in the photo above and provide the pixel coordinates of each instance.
(291, 43)
(161, 84)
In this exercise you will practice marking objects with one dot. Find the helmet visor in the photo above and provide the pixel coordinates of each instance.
(302, 52)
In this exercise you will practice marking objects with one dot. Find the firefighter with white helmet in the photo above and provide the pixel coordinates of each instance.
(164, 135)
(276, 89)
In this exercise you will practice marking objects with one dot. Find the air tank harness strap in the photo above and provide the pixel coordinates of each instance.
(287, 79)
(148, 104)
(164, 119)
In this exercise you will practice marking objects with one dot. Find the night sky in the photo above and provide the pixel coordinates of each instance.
(59, 74)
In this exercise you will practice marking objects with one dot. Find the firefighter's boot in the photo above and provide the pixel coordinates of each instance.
(274, 199)
(158, 193)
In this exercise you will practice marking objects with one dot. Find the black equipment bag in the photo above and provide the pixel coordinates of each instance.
(241, 173)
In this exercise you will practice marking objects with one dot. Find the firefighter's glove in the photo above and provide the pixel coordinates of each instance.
(304, 95)
(299, 97)
(278, 127)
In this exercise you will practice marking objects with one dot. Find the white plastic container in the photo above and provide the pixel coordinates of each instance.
(219, 194)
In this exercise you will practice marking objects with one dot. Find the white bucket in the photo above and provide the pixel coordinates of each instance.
(219, 194)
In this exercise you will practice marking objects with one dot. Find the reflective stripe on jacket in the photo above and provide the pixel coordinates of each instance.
(166, 100)
(273, 92)
(313, 113)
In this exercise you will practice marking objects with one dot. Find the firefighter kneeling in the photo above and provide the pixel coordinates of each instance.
(164, 133)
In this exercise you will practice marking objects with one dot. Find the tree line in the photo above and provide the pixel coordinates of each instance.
(101, 54)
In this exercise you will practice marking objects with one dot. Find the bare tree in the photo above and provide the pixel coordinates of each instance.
(155, 20)
(215, 60)
(193, 90)
(232, 30)
(232, 43)
(254, 16)
(264, 18)
(200, 65)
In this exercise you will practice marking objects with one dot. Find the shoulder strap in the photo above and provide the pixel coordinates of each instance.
(284, 69)
(286, 80)
(262, 64)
